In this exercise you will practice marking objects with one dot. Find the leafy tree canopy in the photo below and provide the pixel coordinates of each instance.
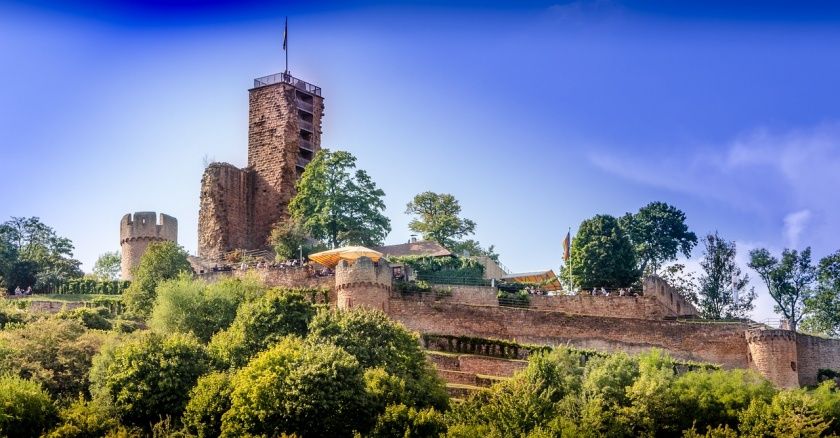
(823, 308)
(149, 375)
(658, 233)
(107, 266)
(602, 255)
(32, 254)
(789, 280)
(722, 287)
(339, 204)
(162, 261)
(438, 218)
(290, 240)
(26, 410)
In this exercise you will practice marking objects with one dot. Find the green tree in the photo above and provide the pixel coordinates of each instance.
(789, 280)
(823, 308)
(658, 233)
(85, 419)
(209, 400)
(53, 352)
(406, 422)
(162, 261)
(34, 255)
(723, 289)
(187, 305)
(438, 218)
(297, 387)
(261, 323)
(26, 410)
(107, 266)
(149, 376)
(379, 342)
(339, 204)
(602, 255)
(289, 239)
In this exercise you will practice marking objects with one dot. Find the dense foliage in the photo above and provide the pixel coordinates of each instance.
(33, 255)
(107, 266)
(789, 280)
(444, 270)
(658, 233)
(722, 288)
(437, 218)
(602, 255)
(290, 240)
(339, 204)
(823, 307)
(25, 408)
(91, 286)
(161, 261)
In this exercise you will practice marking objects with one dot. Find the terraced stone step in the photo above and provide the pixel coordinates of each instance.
(476, 364)
(462, 391)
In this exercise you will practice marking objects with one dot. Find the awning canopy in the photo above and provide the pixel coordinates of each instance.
(546, 280)
(332, 257)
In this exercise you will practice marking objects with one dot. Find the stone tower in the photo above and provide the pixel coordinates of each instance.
(773, 353)
(363, 284)
(239, 206)
(138, 231)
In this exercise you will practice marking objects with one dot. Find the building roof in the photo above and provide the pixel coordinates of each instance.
(332, 257)
(546, 279)
(428, 248)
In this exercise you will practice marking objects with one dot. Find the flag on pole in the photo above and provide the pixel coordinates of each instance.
(567, 246)
(286, 34)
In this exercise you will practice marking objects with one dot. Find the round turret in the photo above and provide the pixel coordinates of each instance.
(773, 354)
(363, 284)
(137, 231)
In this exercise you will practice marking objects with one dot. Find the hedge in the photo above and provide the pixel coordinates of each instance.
(89, 286)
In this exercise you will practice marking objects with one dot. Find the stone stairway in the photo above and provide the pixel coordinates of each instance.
(468, 373)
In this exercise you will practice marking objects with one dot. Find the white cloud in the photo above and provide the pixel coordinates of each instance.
(794, 224)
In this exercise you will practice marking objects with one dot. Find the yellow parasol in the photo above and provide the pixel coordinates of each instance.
(331, 258)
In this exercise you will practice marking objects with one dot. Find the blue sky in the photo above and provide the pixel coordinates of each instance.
(535, 115)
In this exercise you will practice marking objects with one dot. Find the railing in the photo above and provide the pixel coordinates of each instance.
(288, 79)
(305, 125)
(306, 106)
(444, 279)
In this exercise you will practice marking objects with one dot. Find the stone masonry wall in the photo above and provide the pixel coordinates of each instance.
(226, 210)
(363, 284)
(273, 143)
(668, 296)
(814, 353)
(773, 354)
(139, 230)
(717, 343)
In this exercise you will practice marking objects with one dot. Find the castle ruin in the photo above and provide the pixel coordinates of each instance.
(238, 207)
(139, 230)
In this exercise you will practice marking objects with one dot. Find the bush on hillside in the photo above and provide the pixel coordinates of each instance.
(162, 261)
(209, 400)
(259, 324)
(91, 318)
(187, 305)
(297, 387)
(149, 376)
(26, 410)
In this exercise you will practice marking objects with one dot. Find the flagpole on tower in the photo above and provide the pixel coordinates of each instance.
(286, 43)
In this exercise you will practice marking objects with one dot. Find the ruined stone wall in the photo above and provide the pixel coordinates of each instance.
(815, 353)
(363, 284)
(139, 230)
(717, 343)
(278, 277)
(225, 215)
(668, 296)
(773, 354)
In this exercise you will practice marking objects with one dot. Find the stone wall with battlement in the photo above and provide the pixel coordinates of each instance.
(645, 306)
(657, 288)
(721, 343)
(773, 354)
(137, 231)
(362, 283)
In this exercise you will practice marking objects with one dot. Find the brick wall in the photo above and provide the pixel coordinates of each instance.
(773, 354)
(490, 366)
(717, 343)
(670, 299)
(225, 212)
(815, 353)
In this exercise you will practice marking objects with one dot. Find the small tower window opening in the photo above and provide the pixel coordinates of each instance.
(793, 365)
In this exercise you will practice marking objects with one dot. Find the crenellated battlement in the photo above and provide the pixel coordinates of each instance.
(774, 354)
(771, 335)
(363, 283)
(140, 229)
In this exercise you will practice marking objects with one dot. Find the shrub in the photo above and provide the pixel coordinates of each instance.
(25, 408)
(149, 375)
(295, 387)
(209, 400)
(261, 323)
(90, 318)
(402, 421)
(378, 341)
(162, 261)
(53, 352)
(10, 314)
(192, 306)
(84, 419)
